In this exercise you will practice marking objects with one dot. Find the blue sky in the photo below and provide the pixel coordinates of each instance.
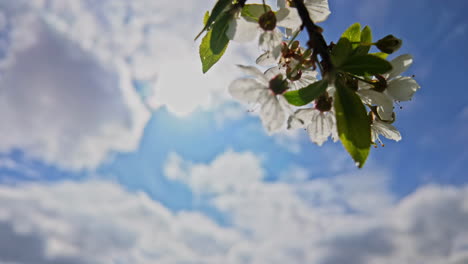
(117, 149)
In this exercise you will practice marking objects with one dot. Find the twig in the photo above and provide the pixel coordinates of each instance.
(316, 40)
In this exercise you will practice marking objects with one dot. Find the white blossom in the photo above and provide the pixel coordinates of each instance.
(398, 88)
(382, 128)
(289, 18)
(319, 124)
(262, 91)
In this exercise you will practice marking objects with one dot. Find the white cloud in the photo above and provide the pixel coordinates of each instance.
(351, 218)
(67, 68)
(99, 222)
(59, 102)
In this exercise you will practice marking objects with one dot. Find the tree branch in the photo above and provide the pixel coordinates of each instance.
(316, 41)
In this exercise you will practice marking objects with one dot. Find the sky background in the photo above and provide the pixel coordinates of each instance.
(115, 148)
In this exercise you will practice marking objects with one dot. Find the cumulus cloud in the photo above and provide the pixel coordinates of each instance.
(59, 102)
(100, 222)
(70, 70)
(352, 218)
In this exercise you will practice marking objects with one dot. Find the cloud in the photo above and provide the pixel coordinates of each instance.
(59, 102)
(352, 218)
(320, 221)
(59, 224)
(68, 71)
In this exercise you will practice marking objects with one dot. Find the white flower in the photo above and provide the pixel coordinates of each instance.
(306, 76)
(242, 30)
(319, 124)
(289, 18)
(382, 128)
(398, 88)
(264, 91)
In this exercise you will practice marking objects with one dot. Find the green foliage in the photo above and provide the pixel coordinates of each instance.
(365, 65)
(219, 40)
(381, 55)
(217, 10)
(253, 12)
(353, 34)
(215, 42)
(207, 56)
(352, 122)
(307, 94)
(341, 52)
(366, 40)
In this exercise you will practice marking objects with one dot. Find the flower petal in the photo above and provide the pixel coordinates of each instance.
(307, 77)
(241, 30)
(273, 72)
(400, 64)
(270, 57)
(254, 72)
(288, 18)
(272, 114)
(383, 102)
(300, 118)
(318, 10)
(247, 90)
(270, 40)
(320, 128)
(385, 130)
(281, 3)
(402, 88)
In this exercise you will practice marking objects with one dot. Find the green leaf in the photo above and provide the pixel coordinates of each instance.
(353, 123)
(254, 11)
(381, 55)
(366, 38)
(217, 10)
(307, 94)
(206, 17)
(366, 65)
(353, 34)
(219, 40)
(207, 56)
(341, 52)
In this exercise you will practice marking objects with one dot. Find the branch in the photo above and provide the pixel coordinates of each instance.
(316, 40)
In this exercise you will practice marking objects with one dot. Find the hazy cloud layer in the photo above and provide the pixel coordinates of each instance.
(70, 71)
(351, 218)
(59, 101)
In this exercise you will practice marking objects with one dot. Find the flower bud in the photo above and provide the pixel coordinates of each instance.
(389, 44)
(267, 21)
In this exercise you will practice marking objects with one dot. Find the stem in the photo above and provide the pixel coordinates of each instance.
(293, 38)
(299, 65)
(359, 78)
(316, 40)
(264, 6)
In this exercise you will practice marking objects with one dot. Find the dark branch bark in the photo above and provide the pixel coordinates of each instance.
(316, 41)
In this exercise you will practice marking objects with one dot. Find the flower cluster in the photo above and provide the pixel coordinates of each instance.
(340, 91)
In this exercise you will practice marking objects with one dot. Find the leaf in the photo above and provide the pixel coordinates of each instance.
(219, 7)
(341, 52)
(381, 55)
(366, 65)
(207, 56)
(307, 94)
(219, 40)
(366, 38)
(353, 123)
(254, 11)
(206, 17)
(353, 34)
